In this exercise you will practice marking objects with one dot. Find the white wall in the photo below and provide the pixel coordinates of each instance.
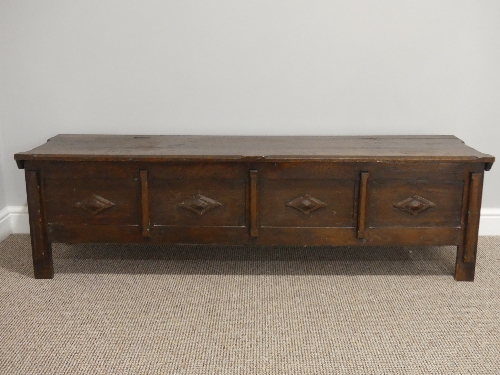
(3, 201)
(5, 220)
(249, 67)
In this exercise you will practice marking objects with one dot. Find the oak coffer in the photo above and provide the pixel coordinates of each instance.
(265, 190)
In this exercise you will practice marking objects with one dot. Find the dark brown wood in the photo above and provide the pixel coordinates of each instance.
(304, 169)
(78, 147)
(363, 184)
(296, 203)
(420, 203)
(347, 236)
(391, 190)
(76, 201)
(254, 213)
(75, 233)
(471, 234)
(145, 202)
(239, 235)
(466, 251)
(413, 236)
(197, 202)
(41, 247)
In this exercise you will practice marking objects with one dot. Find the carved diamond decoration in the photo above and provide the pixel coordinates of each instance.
(306, 204)
(199, 204)
(95, 204)
(414, 205)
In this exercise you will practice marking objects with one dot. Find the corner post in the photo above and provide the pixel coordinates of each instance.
(466, 251)
(41, 247)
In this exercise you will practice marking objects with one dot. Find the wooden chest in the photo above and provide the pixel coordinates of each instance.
(390, 190)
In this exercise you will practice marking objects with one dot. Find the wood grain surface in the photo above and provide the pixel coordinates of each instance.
(168, 147)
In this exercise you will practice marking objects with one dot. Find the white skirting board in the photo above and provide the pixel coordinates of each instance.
(489, 224)
(14, 219)
(5, 223)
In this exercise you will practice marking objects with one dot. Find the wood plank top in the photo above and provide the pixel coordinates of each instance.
(83, 147)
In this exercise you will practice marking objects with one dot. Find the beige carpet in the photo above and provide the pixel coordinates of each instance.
(238, 310)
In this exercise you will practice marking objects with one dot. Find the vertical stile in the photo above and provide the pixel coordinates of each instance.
(254, 232)
(362, 205)
(145, 202)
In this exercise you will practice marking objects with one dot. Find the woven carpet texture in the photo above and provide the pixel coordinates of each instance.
(137, 309)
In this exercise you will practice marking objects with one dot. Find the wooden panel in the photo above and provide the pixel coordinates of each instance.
(307, 203)
(92, 201)
(198, 202)
(400, 203)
